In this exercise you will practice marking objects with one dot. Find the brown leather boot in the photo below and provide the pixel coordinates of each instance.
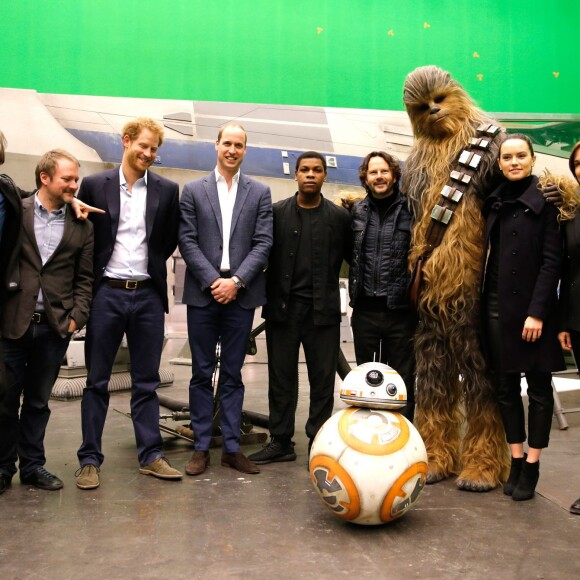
(198, 463)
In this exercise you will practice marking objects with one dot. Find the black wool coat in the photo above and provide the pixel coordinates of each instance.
(529, 270)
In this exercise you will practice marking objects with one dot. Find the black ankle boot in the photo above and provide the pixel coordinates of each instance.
(527, 483)
(514, 476)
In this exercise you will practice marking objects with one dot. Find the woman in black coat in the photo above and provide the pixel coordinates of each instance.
(521, 274)
(570, 286)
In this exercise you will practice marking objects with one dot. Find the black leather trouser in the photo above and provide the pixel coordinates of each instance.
(508, 390)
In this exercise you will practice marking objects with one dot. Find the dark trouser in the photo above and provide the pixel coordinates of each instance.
(321, 344)
(389, 332)
(575, 340)
(138, 313)
(508, 392)
(3, 385)
(32, 365)
(231, 325)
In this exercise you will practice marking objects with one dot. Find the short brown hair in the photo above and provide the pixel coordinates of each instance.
(232, 124)
(49, 161)
(390, 160)
(133, 128)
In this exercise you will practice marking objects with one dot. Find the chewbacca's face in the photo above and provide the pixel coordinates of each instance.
(437, 105)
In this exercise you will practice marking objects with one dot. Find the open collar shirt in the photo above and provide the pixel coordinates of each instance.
(227, 199)
(129, 260)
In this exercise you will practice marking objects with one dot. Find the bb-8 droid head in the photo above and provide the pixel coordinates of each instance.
(374, 385)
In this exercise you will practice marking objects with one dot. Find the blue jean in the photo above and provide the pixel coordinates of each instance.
(32, 365)
(231, 325)
(138, 314)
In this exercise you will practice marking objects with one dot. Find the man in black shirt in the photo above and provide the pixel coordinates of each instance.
(312, 237)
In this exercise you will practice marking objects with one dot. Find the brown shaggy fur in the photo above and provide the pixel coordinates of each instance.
(347, 199)
(451, 370)
(568, 188)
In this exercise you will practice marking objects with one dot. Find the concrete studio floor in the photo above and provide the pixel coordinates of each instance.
(273, 525)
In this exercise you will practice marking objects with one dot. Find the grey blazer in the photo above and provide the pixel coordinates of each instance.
(200, 239)
(66, 278)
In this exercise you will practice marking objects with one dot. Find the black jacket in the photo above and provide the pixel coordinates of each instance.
(387, 266)
(529, 270)
(331, 244)
(11, 237)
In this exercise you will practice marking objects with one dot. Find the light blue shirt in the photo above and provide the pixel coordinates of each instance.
(48, 231)
(129, 259)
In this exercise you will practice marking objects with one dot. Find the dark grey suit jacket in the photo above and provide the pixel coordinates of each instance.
(66, 278)
(102, 190)
(201, 238)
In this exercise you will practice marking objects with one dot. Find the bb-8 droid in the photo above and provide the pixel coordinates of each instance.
(368, 463)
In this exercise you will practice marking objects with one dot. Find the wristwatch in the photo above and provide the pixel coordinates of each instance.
(237, 282)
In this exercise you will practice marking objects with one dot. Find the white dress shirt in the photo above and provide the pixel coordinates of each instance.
(129, 259)
(227, 199)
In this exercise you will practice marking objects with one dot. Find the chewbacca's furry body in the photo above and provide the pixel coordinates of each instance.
(452, 385)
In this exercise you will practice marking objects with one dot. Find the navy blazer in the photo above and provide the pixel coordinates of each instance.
(201, 239)
(66, 278)
(102, 190)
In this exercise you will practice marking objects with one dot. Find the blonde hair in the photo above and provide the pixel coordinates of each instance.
(133, 128)
(347, 199)
(569, 191)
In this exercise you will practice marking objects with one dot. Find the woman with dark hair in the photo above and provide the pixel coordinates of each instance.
(522, 258)
(569, 288)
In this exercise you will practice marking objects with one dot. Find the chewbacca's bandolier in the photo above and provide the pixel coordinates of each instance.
(451, 168)
(460, 183)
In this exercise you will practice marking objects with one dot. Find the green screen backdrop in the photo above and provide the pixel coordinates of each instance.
(511, 56)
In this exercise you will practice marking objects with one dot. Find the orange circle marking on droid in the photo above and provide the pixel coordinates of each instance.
(397, 491)
(372, 432)
(345, 497)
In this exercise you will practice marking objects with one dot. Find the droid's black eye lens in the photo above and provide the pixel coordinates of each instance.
(374, 378)
(391, 390)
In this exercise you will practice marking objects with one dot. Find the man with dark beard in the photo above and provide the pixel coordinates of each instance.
(383, 319)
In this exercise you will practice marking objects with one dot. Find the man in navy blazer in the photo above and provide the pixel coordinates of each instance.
(225, 236)
(133, 241)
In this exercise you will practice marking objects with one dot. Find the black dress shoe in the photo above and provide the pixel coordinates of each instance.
(5, 481)
(42, 479)
(575, 507)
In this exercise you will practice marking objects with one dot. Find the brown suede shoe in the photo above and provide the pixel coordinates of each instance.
(198, 463)
(240, 462)
(161, 468)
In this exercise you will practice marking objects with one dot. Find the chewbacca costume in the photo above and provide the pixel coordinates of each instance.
(452, 381)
